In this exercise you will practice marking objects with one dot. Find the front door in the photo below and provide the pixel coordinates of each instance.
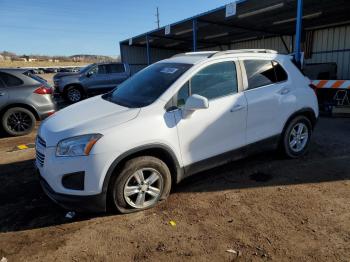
(98, 80)
(3, 93)
(220, 128)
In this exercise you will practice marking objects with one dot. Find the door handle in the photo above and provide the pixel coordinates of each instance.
(2, 93)
(237, 108)
(284, 91)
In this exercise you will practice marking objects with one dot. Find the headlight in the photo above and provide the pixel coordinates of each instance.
(77, 146)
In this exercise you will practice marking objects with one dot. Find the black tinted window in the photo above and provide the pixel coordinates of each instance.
(1, 84)
(259, 73)
(281, 74)
(115, 68)
(102, 69)
(215, 80)
(10, 80)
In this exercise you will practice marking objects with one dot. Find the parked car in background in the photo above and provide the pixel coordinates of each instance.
(24, 98)
(172, 119)
(93, 79)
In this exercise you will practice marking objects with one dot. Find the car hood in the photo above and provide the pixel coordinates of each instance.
(94, 115)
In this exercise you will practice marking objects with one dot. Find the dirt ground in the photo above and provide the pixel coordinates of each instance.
(265, 207)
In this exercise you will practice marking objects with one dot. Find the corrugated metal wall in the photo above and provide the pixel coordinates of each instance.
(329, 45)
(333, 45)
(136, 56)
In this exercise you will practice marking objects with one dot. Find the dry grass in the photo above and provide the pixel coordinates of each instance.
(39, 64)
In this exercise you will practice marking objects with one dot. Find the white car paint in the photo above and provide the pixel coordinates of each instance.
(229, 123)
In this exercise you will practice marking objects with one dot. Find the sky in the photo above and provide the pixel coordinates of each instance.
(68, 27)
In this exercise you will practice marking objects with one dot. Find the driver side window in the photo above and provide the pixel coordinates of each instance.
(214, 81)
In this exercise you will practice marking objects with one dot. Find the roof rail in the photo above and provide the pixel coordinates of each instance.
(201, 53)
(240, 51)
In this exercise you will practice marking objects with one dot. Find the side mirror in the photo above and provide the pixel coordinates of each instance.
(193, 103)
(196, 102)
(89, 74)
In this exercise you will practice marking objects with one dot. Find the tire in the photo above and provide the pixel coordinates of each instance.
(18, 121)
(296, 137)
(73, 94)
(126, 192)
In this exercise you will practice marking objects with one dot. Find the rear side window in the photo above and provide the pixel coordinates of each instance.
(281, 74)
(10, 80)
(264, 72)
(115, 68)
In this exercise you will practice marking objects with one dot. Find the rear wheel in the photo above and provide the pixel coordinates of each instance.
(18, 121)
(141, 184)
(73, 94)
(296, 138)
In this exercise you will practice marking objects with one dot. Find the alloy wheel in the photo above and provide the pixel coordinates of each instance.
(298, 137)
(19, 122)
(74, 95)
(143, 188)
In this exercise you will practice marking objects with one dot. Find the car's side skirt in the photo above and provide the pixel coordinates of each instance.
(270, 143)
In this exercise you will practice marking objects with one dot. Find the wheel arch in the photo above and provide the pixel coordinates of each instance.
(26, 106)
(307, 112)
(161, 151)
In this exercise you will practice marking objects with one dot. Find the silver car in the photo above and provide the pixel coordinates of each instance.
(24, 98)
(93, 79)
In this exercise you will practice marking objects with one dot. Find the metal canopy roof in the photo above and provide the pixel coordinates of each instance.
(254, 19)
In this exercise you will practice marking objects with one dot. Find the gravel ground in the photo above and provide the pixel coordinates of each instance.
(262, 208)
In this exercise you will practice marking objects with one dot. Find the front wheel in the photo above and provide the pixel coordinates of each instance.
(141, 184)
(18, 121)
(73, 94)
(296, 138)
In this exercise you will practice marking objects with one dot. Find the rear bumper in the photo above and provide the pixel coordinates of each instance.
(93, 203)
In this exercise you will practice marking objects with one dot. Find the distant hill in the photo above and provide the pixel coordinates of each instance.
(10, 56)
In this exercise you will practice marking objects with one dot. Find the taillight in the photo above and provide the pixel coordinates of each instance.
(43, 90)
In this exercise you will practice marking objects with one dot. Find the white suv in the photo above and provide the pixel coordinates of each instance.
(176, 117)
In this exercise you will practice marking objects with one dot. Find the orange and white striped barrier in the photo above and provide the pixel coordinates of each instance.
(337, 84)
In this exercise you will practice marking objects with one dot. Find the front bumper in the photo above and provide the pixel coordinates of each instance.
(91, 203)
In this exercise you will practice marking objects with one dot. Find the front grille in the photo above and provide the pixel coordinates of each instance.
(40, 158)
(41, 141)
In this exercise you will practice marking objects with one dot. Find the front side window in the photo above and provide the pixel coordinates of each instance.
(146, 86)
(215, 80)
(10, 80)
(102, 69)
(264, 72)
(115, 68)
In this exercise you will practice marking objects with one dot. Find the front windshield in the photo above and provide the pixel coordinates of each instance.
(146, 86)
(86, 68)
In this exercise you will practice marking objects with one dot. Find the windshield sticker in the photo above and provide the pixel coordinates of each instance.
(169, 70)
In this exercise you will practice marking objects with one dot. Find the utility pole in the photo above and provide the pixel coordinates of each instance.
(157, 15)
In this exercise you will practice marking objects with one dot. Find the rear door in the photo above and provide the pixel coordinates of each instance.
(117, 74)
(270, 98)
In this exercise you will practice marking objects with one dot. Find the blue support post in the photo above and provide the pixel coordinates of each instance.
(148, 51)
(194, 31)
(298, 31)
